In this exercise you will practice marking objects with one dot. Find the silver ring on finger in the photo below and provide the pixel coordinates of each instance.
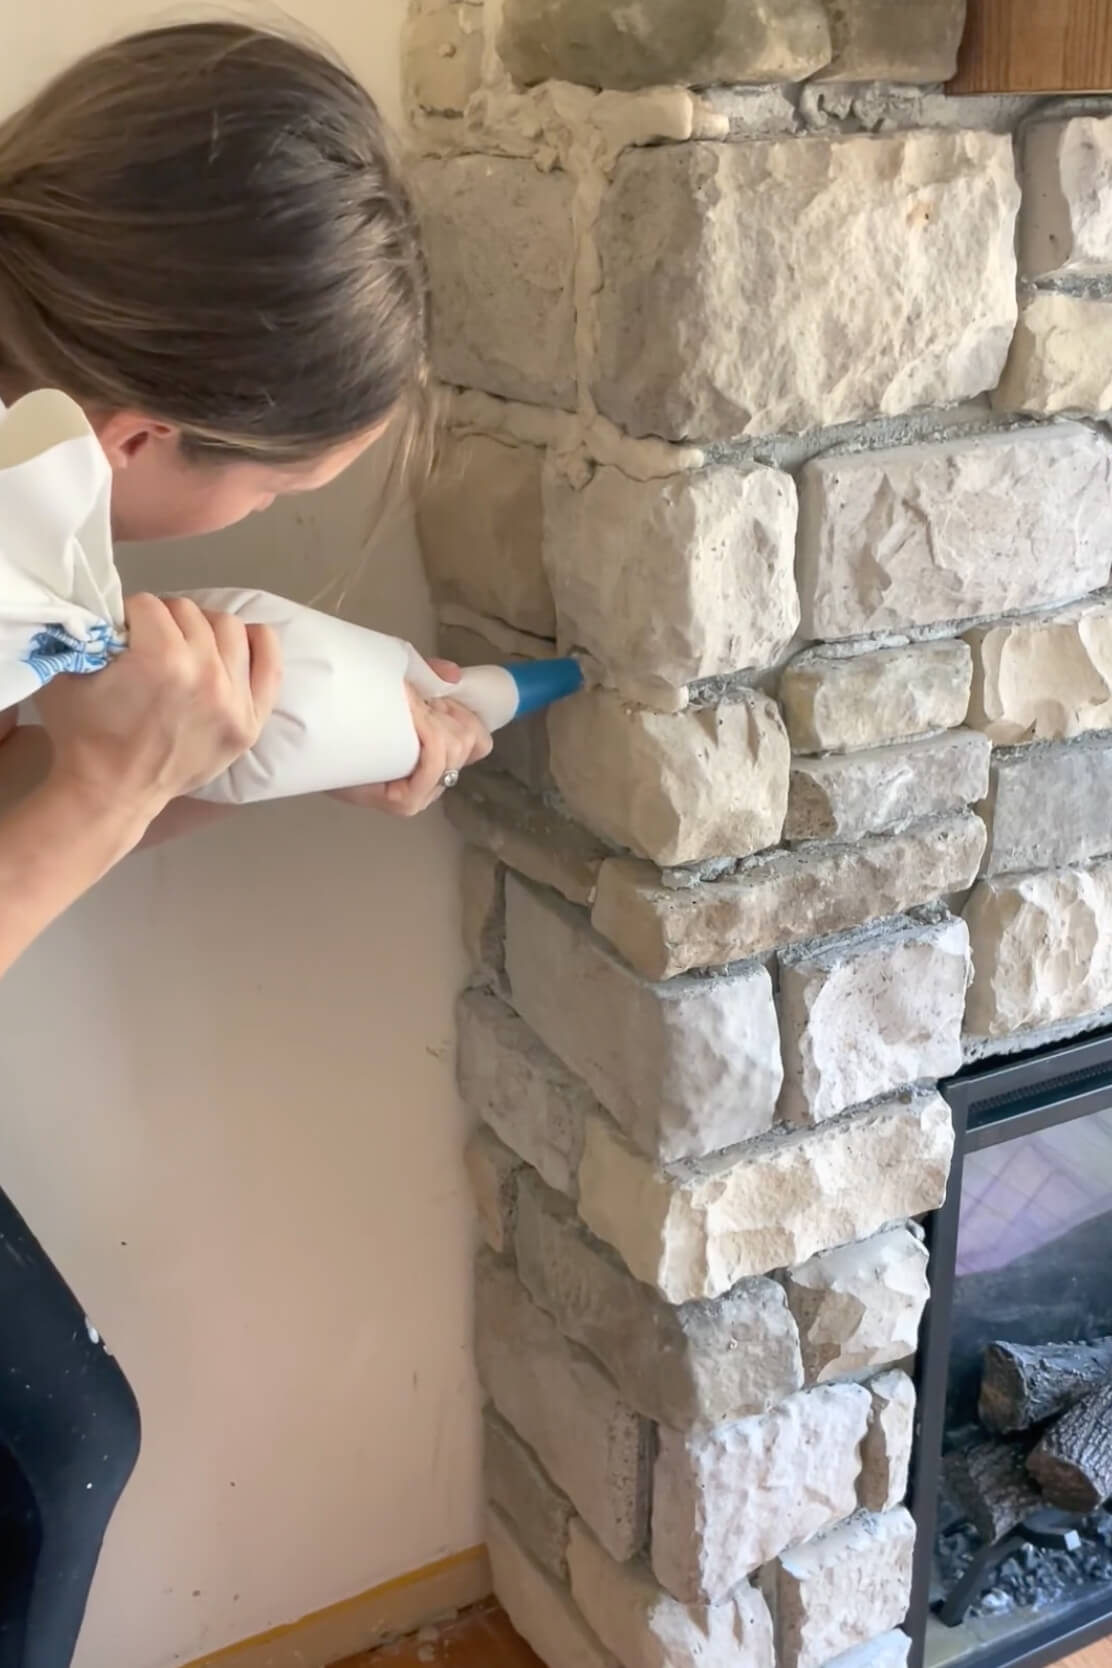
(449, 779)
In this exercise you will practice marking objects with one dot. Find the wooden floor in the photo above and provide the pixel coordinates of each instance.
(1096, 1656)
(481, 1639)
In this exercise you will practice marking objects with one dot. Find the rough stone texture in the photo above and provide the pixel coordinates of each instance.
(526, 1095)
(442, 57)
(686, 577)
(1042, 949)
(698, 1364)
(838, 703)
(860, 1305)
(674, 787)
(844, 1588)
(517, 1485)
(646, 1628)
(912, 304)
(540, 1610)
(498, 239)
(886, 1455)
(875, 40)
(479, 520)
(1049, 805)
(1065, 225)
(1046, 678)
(526, 834)
(484, 913)
(695, 1231)
(871, 1012)
(590, 1444)
(664, 41)
(949, 530)
(520, 748)
(663, 930)
(1061, 357)
(685, 1068)
(727, 1501)
(493, 1171)
(889, 1651)
(865, 793)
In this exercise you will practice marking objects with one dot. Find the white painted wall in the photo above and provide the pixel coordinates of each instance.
(228, 1113)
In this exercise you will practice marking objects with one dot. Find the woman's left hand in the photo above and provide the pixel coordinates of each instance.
(451, 738)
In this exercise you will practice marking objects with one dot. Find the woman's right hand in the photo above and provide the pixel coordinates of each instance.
(188, 697)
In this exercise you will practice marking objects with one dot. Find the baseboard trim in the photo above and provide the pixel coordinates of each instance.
(359, 1624)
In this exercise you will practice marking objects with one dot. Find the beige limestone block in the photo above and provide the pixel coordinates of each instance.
(1060, 358)
(878, 274)
(912, 536)
(1044, 678)
(540, 1608)
(525, 833)
(591, 1445)
(1042, 949)
(493, 1172)
(1065, 225)
(839, 703)
(498, 241)
(442, 57)
(859, 1306)
(886, 1455)
(845, 1588)
(693, 1231)
(879, 788)
(1049, 805)
(515, 1483)
(663, 930)
(689, 576)
(696, 1364)
(646, 1627)
(729, 1500)
(875, 40)
(479, 520)
(868, 1013)
(660, 42)
(484, 912)
(686, 1068)
(674, 787)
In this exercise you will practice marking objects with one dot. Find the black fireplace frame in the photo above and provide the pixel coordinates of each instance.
(992, 1102)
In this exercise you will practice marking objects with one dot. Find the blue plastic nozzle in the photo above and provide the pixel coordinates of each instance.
(540, 682)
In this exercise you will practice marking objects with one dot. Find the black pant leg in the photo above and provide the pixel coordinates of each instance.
(69, 1439)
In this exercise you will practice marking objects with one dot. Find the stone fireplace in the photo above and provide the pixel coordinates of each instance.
(776, 386)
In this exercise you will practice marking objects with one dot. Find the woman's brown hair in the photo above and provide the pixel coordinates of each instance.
(206, 222)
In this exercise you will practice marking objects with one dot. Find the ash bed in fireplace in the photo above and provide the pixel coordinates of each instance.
(1013, 1472)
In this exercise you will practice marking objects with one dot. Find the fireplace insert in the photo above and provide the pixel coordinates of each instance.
(1012, 1482)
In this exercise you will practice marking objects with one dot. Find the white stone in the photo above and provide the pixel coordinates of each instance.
(592, 1446)
(674, 787)
(493, 1171)
(840, 703)
(875, 40)
(863, 793)
(498, 241)
(528, 1097)
(696, 1230)
(1045, 678)
(879, 275)
(517, 1485)
(691, 1365)
(540, 1609)
(886, 1456)
(646, 1627)
(1042, 949)
(691, 576)
(662, 929)
(866, 1014)
(1060, 359)
(948, 530)
(1065, 225)
(656, 43)
(686, 1068)
(729, 1500)
(442, 55)
(1049, 805)
(524, 831)
(860, 1305)
(479, 520)
(889, 1651)
(844, 1589)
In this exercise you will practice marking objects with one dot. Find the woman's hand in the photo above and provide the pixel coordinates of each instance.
(188, 697)
(451, 738)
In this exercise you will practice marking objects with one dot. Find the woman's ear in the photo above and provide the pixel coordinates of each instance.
(125, 435)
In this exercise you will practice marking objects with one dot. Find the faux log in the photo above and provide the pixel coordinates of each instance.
(1073, 1462)
(988, 1480)
(1023, 1385)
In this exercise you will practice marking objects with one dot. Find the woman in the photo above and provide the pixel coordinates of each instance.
(205, 243)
